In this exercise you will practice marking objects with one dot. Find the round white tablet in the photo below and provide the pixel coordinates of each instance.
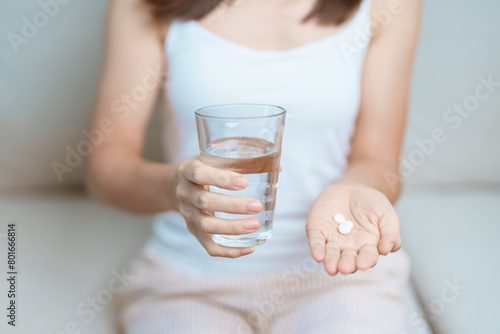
(339, 218)
(349, 223)
(345, 228)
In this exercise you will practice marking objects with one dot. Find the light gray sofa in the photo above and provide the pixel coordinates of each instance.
(72, 249)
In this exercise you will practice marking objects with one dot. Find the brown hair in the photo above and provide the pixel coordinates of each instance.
(325, 11)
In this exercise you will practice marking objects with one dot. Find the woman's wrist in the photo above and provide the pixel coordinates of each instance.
(157, 182)
(133, 183)
(371, 174)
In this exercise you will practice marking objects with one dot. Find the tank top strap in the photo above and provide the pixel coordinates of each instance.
(175, 29)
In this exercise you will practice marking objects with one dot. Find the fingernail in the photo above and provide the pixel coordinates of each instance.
(246, 251)
(251, 224)
(240, 182)
(254, 206)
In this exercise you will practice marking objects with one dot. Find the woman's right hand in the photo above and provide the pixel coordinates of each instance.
(196, 205)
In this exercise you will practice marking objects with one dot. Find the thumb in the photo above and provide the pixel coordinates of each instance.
(390, 237)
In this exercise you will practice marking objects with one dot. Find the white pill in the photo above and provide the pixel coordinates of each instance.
(349, 223)
(339, 218)
(345, 228)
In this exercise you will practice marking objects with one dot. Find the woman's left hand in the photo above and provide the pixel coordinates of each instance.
(375, 231)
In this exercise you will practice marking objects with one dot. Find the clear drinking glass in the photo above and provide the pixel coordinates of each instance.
(244, 138)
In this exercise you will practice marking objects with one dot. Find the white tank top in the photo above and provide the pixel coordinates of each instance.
(319, 86)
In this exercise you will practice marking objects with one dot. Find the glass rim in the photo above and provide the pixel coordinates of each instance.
(279, 112)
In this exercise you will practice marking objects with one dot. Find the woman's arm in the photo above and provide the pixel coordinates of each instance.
(118, 175)
(385, 88)
(132, 69)
(363, 194)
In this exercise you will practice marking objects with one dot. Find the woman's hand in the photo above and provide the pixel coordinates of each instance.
(375, 232)
(196, 205)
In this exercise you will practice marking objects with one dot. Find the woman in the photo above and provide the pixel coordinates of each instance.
(342, 70)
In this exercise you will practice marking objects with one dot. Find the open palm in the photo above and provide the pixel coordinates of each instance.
(375, 231)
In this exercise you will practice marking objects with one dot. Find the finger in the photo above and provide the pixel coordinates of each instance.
(390, 237)
(201, 174)
(332, 258)
(347, 263)
(216, 250)
(367, 257)
(316, 244)
(214, 202)
(212, 225)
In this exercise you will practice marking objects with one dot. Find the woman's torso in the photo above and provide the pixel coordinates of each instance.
(317, 82)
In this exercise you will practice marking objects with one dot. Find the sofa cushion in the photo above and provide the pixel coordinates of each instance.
(452, 236)
(69, 249)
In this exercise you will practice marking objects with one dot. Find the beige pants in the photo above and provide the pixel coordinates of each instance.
(300, 300)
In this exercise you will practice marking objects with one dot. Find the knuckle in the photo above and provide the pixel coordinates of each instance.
(209, 251)
(223, 177)
(183, 167)
(330, 251)
(179, 192)
(190, 228)
(202, 200)
(205, 224)
(237, 227)
(316, 242)
(183, 210)
(231, 205)
(197, 172)
(212, 252)
(187, 212)
(238, 204)
(232, 254)
(310, 231)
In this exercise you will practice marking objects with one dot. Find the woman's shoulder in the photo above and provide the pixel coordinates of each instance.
(139, 15)
(383, 13)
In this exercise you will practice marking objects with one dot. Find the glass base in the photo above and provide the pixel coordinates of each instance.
(242, 240)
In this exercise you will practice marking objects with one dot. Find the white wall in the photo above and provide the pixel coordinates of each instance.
(46, 90)
(460, 42)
